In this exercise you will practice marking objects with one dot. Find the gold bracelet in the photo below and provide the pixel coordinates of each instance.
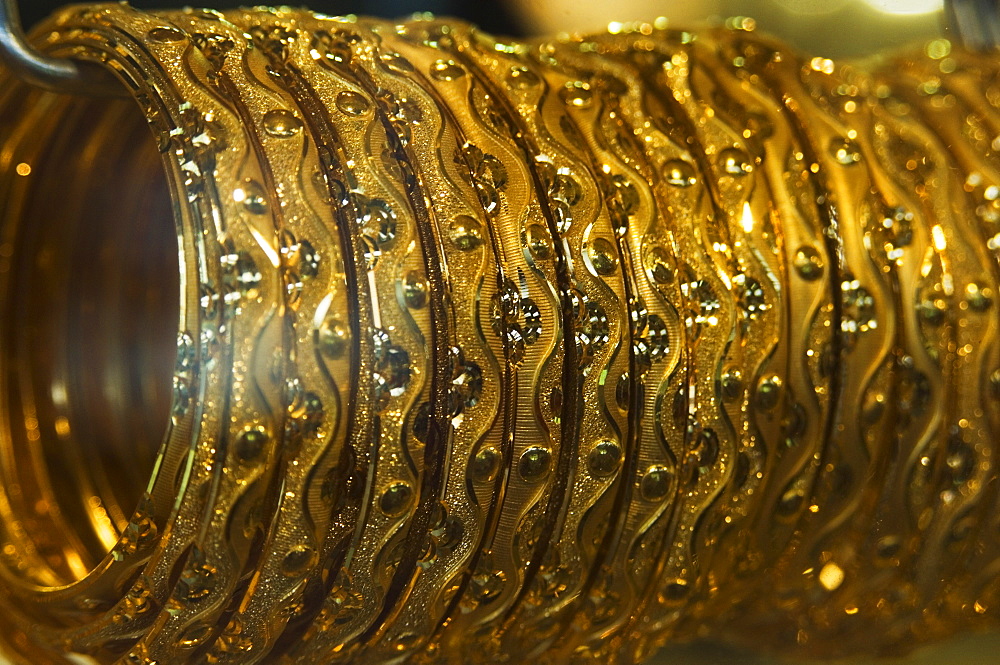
(473, 351)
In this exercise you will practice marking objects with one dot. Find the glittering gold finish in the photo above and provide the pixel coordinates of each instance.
(493, 352)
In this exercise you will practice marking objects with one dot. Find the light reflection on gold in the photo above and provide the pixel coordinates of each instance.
(62, 427)
(747, 219)
(940, 243)
(831, 576)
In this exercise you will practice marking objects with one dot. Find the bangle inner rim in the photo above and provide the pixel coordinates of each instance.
(89, 291)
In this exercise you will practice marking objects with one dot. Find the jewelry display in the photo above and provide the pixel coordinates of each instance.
(402, 343)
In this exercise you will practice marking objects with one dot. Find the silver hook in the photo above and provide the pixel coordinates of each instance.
(977, 22)
(52, 74)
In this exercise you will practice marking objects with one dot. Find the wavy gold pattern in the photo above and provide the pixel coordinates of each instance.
(493, 352)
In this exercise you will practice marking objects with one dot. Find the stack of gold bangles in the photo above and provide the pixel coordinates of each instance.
(401, 344)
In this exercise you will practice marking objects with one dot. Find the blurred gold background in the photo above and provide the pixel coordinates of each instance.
(830, 28)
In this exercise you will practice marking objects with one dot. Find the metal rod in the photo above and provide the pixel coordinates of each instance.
(976, 22)
(53, 74)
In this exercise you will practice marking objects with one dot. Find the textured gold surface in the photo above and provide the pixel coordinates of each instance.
(498, 352)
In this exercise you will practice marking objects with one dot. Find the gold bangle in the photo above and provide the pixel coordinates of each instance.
(489, 350)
